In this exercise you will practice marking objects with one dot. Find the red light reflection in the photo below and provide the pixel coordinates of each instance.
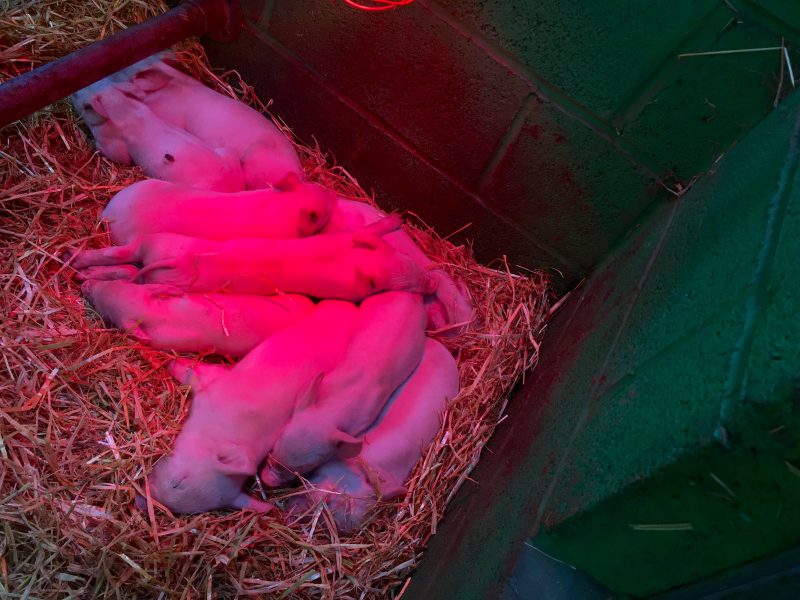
(374, 5)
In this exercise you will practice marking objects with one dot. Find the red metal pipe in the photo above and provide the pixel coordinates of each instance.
(27, 93)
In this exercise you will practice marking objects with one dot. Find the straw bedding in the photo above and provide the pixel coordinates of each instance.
(85, 411)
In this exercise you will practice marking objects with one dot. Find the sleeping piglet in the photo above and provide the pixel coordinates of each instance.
(267, 156)
(236, 414)
(450, 308)
(387, 346)
(153, 206)
(109, 140)
(346, 265)
(392, 446)
(161, 149)
(169, 319)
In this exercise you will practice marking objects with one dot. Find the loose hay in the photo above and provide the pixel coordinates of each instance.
(85, 411)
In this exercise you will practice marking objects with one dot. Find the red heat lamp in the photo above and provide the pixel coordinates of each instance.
(373, 5)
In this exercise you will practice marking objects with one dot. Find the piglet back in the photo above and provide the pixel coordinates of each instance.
(413, 414)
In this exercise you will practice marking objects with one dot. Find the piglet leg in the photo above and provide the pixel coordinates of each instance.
(113, 255)
(165, 264)
(126, 272)
(246, 502)
(195, 373)
(382, 227)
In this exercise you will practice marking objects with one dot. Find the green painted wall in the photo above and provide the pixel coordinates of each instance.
(563, 132)
(550, 127)
(668, 393)
(697, 419)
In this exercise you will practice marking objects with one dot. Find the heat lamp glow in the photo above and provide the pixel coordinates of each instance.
(376, 5)
(200, 248)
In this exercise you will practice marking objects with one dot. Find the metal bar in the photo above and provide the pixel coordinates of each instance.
(32, 91)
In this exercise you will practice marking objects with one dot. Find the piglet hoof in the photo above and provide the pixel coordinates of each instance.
(87, 286)
(140, 502)
(259, 506)
(273, 478)
(437, 315)
(300, 508)
(430, 285)
(181, 370)
(246, 502)
(65, 256)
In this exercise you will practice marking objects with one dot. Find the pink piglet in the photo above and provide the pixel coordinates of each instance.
(167, 318)
(392, 447)
(236, 413)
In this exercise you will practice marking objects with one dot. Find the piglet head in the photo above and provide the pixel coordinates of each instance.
(342, 487)
(349, 488)
(392, 271)
(110, 102)
(307, 441)
(315, 205)
(202, 475)
(304, 444)
(85, 103)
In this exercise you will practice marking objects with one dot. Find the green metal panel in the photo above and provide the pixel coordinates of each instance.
(546, 125)
(598, 53)
(657, 441)
(621, 62)
(702, 395)
(553, 118)
(571, 188)
(694, 107)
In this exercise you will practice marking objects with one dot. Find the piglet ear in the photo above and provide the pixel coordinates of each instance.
(195, 373)
(347, 446)
(149, 80)
(367, 241)
(96, 103)
(234, 459)
(288, 183)
(309, 395)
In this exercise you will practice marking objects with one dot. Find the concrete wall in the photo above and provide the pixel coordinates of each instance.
(549, 126)
(657, 441)
(667, 392)
(695, 403)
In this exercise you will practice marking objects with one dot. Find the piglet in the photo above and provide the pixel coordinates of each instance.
(166, 318)
(236, 414)
(110, 141)
(346, 265)
(153, 206)
(392, 446)
(161, 149)
(450, 308)
(386, 348)
(266, 154)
